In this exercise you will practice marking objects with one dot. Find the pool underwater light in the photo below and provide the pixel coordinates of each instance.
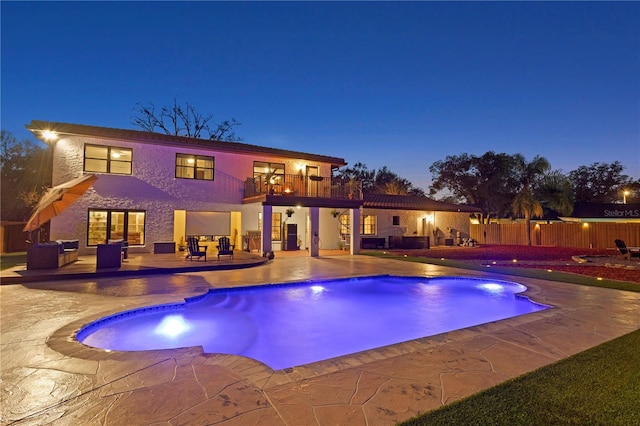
(317, 289)
(491, 287)
(172, 326)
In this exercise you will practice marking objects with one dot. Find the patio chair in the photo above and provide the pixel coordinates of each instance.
(626, 252)
(225, 248)
(195, 249)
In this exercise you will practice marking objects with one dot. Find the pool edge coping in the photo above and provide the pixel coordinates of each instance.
(64, 340)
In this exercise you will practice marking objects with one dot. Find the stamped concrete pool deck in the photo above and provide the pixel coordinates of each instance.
(48, 377)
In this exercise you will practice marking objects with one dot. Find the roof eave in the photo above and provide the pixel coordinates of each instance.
(37, 127)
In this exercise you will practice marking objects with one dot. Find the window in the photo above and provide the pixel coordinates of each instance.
(396, 220)
(276, 227)
(368, 226)
(344, 224)
(268, 177)
(105, 225)
(194, 167)
(107, 159)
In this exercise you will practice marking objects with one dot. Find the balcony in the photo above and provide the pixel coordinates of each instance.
(300, 186)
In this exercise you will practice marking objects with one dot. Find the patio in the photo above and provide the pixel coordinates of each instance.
(49, 377)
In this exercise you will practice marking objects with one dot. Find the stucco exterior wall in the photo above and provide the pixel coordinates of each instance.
(153, 188)
(449, 224)
(420, 223)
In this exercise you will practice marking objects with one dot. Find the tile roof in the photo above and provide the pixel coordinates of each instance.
(37, 126)
(411, 202)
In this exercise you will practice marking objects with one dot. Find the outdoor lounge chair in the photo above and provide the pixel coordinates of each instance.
(195, 249)
(225, 248)
(627, 252)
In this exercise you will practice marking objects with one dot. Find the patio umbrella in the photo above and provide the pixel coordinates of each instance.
(58, 198)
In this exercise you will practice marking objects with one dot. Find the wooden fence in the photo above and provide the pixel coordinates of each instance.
(559, 234)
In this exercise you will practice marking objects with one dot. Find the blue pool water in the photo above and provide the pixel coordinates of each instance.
(293, 324)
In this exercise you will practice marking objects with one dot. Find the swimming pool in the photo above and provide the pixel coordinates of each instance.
(285, 325)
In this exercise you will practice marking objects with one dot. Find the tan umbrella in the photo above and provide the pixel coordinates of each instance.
(58, 198)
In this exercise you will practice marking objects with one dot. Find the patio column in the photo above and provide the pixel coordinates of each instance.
(354, 220)
(314, 224)
(267, 213)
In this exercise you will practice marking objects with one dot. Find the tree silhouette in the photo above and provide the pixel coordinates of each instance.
(178, 120)
(525, 202)
(600, 182)
(26, 174)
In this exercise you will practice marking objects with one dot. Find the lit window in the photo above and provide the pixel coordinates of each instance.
(194, 167)
(105, 225)
(276, 227)
(268, 177)
(368, 225)
(107, 159)
(344, 224)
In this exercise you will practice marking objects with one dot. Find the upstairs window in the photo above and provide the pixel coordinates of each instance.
(268, 177)
(194, 167)
(107, 159)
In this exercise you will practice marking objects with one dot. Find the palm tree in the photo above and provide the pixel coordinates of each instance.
(525, 202)
(394, 187)
(555, 193)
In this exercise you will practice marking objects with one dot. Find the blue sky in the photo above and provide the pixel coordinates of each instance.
(396, 84)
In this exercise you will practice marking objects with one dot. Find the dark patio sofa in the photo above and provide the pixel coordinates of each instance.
(52, 254)
(372, 243)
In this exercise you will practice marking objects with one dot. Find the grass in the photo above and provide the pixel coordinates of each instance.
(9, 260)
(522, 272)
(600, 386)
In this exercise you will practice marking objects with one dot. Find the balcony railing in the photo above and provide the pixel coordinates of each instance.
(303, 186)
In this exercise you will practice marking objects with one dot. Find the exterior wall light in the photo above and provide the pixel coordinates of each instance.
(49, 135)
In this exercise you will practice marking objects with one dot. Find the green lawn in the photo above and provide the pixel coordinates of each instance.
(9, 260)
(600, 386)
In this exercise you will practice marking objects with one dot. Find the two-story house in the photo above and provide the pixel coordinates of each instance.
(154, 187)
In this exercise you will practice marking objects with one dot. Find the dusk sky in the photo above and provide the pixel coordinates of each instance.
(396, 84)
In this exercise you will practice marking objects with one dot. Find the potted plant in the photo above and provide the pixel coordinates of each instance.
(181, 245)
(289, 212)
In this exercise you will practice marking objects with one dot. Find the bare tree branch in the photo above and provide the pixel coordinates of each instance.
(224, 131)
(183, 121)
(148, 120)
